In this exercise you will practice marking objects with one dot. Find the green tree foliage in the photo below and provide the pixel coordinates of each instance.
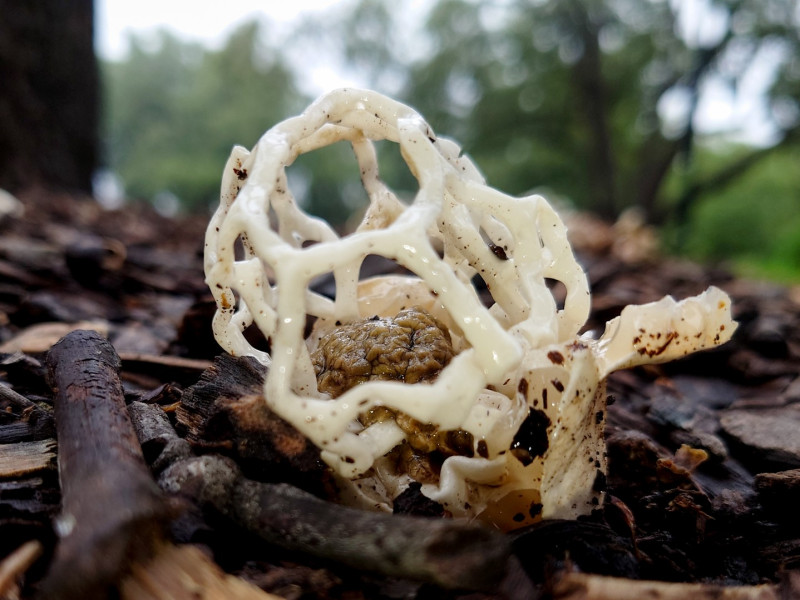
(754, 222)
(566, 94)
(174, 111)
(569, 95)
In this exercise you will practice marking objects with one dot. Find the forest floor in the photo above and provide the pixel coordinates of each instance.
(703, 488)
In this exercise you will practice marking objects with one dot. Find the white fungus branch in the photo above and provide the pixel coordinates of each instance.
(525, 387)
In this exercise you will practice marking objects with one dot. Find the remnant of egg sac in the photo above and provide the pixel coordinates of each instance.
(497, 411)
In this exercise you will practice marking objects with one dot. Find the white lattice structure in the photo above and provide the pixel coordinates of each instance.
(518, 357)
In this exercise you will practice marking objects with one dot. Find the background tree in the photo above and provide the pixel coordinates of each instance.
(174, 110)
(567, 93)
(595, 102)
(49, 100)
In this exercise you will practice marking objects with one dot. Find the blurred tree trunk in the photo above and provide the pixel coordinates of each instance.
(590, 83)
(49, 94)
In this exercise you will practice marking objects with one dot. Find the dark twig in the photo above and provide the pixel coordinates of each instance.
(112, 510)
(160, 443)
(13, 399)
(451, 554)
(35, 423)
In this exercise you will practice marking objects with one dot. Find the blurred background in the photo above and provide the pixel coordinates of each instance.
(686, 112)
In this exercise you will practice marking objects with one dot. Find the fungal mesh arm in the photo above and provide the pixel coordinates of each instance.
(517, 360)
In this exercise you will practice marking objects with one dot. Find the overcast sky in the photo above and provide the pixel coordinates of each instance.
(210, 22)
(212, 25)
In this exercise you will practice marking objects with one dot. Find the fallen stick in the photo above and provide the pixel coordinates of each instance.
(451, 554)
(582, 586)
(161, 445)
(112, 510)
(34, 422)
(169, 367)
(13, 399)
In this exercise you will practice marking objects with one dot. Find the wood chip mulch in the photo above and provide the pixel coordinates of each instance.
(176, 482)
